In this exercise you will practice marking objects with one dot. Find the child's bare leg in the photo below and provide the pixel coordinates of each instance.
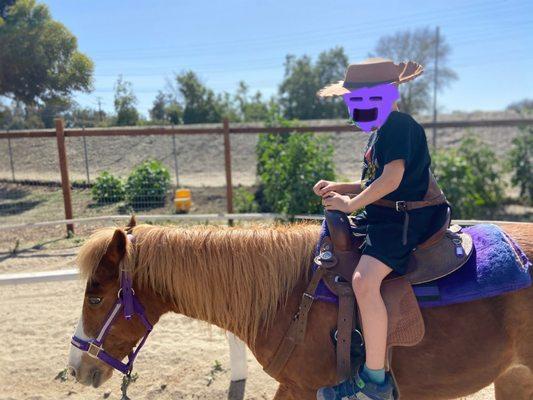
(366, 283)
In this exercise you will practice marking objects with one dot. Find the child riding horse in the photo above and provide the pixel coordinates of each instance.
(396, 172)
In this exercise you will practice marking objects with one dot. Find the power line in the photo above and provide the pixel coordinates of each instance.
(377, 26)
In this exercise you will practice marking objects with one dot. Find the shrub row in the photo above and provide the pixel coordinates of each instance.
(471, 176)
(146, 186)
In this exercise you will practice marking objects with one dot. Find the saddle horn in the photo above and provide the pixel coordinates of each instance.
(339, 230)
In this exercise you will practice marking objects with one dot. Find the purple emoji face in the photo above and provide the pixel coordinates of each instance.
(369, 107)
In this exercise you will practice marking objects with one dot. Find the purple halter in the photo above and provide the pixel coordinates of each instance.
(130, 304)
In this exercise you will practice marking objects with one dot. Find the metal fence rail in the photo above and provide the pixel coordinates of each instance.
(71, 159)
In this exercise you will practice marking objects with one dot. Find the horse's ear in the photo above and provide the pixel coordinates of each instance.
(109, 266)
(133, 222)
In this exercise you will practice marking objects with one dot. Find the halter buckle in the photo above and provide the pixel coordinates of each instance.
(93, 350)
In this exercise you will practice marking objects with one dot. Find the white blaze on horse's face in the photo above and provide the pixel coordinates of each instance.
(74, 357)
(87, 370)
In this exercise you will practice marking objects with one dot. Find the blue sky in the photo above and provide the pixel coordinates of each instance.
(231, 40)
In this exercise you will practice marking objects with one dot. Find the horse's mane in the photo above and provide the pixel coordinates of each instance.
(235, 277)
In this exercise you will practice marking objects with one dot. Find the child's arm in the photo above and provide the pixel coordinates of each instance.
(323, 187)
(387, 183)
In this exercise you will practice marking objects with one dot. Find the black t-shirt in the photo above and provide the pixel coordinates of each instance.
(401, 137)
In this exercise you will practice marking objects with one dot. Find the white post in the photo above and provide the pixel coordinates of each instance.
(237, 355)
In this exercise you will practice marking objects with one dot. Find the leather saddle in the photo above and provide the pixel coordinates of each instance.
(444, 251)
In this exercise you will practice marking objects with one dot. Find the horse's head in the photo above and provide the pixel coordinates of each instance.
(108, 252)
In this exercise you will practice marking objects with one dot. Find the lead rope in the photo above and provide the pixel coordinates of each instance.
(127, 380)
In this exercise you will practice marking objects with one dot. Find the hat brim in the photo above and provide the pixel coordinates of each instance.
(335, 89)
(408, 71)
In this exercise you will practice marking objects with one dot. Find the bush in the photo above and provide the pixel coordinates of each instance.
(519, 163)
(469, 179)
(107, 189)
(147, 185)
(244, 201)
(288, 167)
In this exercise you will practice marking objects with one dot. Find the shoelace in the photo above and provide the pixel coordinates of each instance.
(345, 388)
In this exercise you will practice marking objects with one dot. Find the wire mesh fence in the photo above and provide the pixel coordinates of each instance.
(114, 174)
(30, 183)
(122, 174)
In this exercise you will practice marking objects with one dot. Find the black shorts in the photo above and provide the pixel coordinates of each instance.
(385, 230)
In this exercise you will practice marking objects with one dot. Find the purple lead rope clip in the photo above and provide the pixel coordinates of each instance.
(459, 251)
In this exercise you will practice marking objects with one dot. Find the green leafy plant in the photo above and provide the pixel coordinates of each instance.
(147, 185)
(244, 201)
(288, 167)
(470, 179)
(107, 189)
(215, 369)
(62, 375)
(519, 164)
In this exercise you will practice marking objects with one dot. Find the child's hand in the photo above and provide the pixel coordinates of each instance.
(335, 201)
(322, 187)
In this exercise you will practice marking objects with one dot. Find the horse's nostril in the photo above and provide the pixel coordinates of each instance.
(72, 371)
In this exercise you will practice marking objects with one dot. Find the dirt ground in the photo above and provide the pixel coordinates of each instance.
(180, 360)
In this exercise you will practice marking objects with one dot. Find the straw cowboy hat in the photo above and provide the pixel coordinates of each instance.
(372, 72)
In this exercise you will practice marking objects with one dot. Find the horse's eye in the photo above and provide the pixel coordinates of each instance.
(95, 300)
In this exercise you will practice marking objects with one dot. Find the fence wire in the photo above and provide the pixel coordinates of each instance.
(30, 181)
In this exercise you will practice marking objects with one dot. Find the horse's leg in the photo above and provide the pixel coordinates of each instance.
(516, 383)
(286, 392)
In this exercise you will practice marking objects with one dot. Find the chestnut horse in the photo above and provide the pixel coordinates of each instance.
(249, 281)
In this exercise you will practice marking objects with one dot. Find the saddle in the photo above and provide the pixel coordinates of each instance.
(445, 251)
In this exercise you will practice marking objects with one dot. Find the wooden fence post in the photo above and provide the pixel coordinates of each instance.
(63, 167)
(227, 159)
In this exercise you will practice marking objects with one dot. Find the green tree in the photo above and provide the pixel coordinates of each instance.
(39, 57)
(200, 103)
(125, 101)
(52, 108)
(157, 112)
(18, 116)
(523, 106)
(226, 107)
(87, 117)
(166, 109)
(470, 179)
(251, 108)
(519, 162)
(303, 79)
(4, 4)
(418, 45)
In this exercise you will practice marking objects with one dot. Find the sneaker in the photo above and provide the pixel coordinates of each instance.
(358, 388)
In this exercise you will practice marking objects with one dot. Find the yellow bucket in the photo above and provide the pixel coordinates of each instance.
(182, 200)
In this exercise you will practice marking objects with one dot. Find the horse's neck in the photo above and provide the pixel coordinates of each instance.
(241, 292)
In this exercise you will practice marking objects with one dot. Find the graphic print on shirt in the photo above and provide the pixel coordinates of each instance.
(370, 163)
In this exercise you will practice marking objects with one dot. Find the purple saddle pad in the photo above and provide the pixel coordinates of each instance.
(497, 265)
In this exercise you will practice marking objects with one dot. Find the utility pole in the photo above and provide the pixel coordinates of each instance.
(435, 80)
(99, 101)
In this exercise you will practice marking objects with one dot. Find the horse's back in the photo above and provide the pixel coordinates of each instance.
(522, 233)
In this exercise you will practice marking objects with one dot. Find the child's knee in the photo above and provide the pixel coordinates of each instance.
(364, 286)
